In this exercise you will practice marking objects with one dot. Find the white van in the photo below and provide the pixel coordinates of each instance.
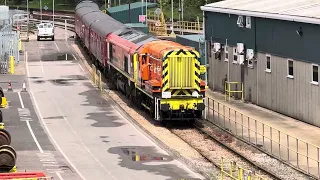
(45, 30)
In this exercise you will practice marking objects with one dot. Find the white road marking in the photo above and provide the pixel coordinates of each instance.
(21, 102)
(45, 125)
(57, 46)
(34, 137)
(30, 129)
(59, 175)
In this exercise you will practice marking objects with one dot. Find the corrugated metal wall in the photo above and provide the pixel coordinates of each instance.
(295, 97)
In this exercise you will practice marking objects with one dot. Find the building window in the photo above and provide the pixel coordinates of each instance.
(290, 68)
(315, 74)
(268, 68)
(235, 55)
(226, 53)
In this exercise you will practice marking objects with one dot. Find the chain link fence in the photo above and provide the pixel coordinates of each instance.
(9, 42)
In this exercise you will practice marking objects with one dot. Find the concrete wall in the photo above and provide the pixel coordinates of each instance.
(296, 97)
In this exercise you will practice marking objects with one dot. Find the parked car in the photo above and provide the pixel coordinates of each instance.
(45, 30)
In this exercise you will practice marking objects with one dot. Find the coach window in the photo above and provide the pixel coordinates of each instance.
(110, 51)
(315, 74)
(126, 63)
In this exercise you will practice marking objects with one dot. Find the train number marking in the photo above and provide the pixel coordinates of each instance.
(156, 70)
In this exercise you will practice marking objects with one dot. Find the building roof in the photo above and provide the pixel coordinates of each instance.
(307, 11)
(193, 37)
(132, 6)
(136, 25)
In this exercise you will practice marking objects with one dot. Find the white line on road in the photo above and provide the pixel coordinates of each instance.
(28, 124)
(34, 137)
(45, 125)
(57, 46)
(59, 175)
(21, 102)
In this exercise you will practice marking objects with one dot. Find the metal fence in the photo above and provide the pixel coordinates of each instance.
(9, 45)
(287, 148)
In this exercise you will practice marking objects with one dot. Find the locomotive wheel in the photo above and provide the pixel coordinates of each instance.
(7, 158)
(9, 148)
(5, 137)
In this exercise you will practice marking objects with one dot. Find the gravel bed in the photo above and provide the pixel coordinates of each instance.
(267, 162)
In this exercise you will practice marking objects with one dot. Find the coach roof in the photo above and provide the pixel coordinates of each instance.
(106, 25)
(89, 4)
(307, 11)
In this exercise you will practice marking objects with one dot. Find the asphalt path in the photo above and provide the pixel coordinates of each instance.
(72, 124)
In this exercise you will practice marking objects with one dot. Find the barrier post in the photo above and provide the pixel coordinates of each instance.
(11, 64)
(100, 81)
(20, 45)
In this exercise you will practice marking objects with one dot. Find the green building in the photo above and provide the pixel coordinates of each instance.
(121, 13)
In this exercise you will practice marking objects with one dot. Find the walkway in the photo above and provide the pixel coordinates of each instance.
(299, 142)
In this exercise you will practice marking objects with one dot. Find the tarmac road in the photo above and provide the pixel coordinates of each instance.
(90, 137)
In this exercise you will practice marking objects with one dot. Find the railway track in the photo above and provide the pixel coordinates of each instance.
(233, 154)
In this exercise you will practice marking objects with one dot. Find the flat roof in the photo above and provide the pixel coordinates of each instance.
(135, 5)
(193, 37)
(306, 11)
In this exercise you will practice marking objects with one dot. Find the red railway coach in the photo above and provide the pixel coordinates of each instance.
(160, 76)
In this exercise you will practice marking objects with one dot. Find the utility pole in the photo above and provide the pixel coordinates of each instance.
(172, 32)
(129, 12)
(182, 2)
(28, 20)
(53, 12)
(41, 10)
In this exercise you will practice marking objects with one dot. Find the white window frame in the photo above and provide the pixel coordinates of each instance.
(226, 51)
(314, 82)
(235, 53)
(290, 76)
(268, 70)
